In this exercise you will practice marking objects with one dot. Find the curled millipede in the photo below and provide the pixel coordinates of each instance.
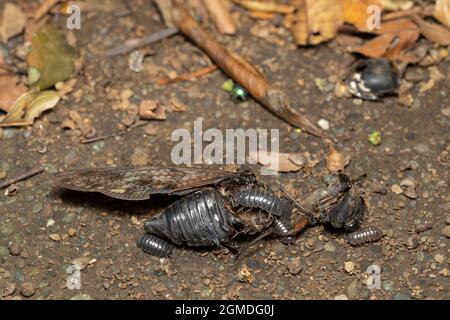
(283, 230)
(364, 235)
(155, 246)
(264, 199)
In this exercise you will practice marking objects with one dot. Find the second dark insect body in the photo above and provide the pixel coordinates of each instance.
(204, 218)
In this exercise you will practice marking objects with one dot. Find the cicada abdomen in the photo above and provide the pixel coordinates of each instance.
(197, 220)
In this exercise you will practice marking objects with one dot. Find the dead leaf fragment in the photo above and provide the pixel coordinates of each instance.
(13, 21)
(152, 110)
(357, 12)
(336, 161)
(10, 90)
(280, 162)
(51, 59)
(316, 21)
(442, 12)
(433, 31)
(29, 106)
(395, 37)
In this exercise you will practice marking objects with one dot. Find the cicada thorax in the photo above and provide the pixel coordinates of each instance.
(338, 205)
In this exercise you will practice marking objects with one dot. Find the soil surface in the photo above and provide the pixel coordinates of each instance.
(43, 229)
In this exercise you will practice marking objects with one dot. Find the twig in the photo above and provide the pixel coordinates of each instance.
(244, 73)
(112, 135)
(188, 76)
(24, 176)
(132, 44)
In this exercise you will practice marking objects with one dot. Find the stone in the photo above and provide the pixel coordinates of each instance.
(349, 266)
(446, 231)
(341, 297)
(27, 289)
(439, 258)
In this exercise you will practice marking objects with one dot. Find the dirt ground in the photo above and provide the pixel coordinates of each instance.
(42, 228)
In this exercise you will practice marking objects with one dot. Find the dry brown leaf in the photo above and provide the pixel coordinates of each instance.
(395, 38)
(336, 161)
(29, 106)
(10, 90)
(433, 31)
(281, 162)
(13, 22)
(356, 12)
(316, 21)
(442, 12)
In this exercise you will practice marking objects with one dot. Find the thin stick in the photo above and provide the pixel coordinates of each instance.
(132, 44)
(112, 135)
(188, 76)
(24, 176)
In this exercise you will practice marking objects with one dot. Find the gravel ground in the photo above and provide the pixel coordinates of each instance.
(43, 229)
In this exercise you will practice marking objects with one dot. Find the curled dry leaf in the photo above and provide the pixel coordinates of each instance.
(442, 12)
(152, 110)
(433, 31)
(51, 59)
(13, 21)
(29, 106)
(336, 161)
(316, 21)
(281, 162)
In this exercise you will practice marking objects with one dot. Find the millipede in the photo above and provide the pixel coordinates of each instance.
(365, 235)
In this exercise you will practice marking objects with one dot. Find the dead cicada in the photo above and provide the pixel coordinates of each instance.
(216, 206)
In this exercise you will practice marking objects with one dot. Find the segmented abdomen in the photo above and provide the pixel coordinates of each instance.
(364, 235)
(199, 219)
(264, 199)
(154, 246)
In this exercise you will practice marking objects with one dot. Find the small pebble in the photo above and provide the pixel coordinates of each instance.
(27, 289)
(324, 124)
(349, 266)
(2, 174)
(424, 226)
(439, 258)
(55, 237)
(446, 231)
(396, 189)
(14, 249)
(412, 243)
(294, 266)
(71, 232)
(422, 148)
(341, 297)
(444, 272)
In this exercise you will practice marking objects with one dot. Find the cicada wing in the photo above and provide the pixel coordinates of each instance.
(141, 182)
